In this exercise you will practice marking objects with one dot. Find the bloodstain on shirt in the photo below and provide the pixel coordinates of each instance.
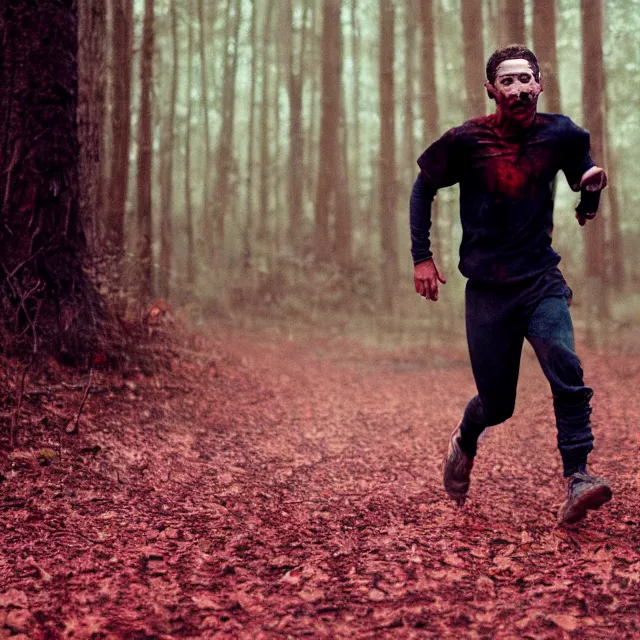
(506, 192)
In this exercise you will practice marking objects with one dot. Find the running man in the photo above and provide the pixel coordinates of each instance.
(506, 164)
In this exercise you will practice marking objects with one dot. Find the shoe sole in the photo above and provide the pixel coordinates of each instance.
(591, 500)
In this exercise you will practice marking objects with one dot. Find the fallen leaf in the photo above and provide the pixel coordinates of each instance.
(565, 622)
(311, 594)
(14, 598)
(376, 595)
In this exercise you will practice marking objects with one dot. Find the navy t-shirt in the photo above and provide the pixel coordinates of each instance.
(506, 193)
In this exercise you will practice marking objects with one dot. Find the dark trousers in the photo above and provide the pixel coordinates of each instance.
(499, 317)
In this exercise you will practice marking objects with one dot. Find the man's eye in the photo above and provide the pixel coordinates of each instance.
(525, 77)
(506, 81)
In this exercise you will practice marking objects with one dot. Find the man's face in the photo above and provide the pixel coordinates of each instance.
(515, 89)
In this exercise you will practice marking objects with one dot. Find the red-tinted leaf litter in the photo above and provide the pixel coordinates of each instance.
(255, 486)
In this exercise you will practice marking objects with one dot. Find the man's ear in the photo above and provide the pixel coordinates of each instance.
(540, 82)
(491, 90)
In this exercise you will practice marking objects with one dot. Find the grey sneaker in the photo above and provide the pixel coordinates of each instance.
(456, 474)
(584, 492)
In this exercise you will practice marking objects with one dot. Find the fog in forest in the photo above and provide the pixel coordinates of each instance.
(256, 157)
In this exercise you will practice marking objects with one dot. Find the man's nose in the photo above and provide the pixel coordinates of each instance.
(525, 96)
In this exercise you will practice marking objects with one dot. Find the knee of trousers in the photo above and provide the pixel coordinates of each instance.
(497, 411)
(483, 412)
(563, 368)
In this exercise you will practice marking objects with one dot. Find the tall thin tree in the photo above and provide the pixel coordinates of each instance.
(544, 42)
(91, 111)
(329, 128)
(473, 57)
(188, 196)
(296, 145)
(204, 88)
(122, 44)
(387, 163)
(144, 168)
(355, 128)
(429, 97)
(166, 165)
(224, 154)
(264, 124)
(512, 22)
(249, 201)
(593, 101)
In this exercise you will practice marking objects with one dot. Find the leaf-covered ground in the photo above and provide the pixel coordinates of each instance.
(260, 487)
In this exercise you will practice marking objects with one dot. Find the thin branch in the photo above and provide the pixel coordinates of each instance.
(16, 413)
(73, 427)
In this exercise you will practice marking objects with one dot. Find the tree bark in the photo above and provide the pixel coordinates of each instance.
(166, 167)
(512, 21)
(387, 164)
(48, 304)
(188, 200)
(224, 160)
(144, 169)
(296, 142)
(356, 171)
(342, 200)
(410, 32)
(429, 98)
(329, 127)
(473, 57)
(544, 42)
(206, 180)
(91, 111)
(264, 134)
(122, 41)
(249, 203)
(594, 121)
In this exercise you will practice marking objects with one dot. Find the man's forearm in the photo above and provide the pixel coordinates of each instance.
(420, 220)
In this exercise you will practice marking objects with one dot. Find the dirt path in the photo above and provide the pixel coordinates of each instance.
(267, 488)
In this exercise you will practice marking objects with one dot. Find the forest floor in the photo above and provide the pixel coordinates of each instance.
(260, 485)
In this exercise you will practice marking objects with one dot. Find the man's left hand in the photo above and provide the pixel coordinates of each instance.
(591, 184)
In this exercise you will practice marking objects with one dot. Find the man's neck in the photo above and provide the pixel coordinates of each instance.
(509, 126)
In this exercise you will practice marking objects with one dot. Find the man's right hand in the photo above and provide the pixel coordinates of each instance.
(426, 277)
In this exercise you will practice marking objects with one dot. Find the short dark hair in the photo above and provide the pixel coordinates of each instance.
(512, 52)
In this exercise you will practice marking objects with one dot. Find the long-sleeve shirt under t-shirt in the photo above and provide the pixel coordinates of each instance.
(506, 193)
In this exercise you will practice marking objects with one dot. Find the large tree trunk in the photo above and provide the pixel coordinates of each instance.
(594, 121)
(387, 163)
(91, 94)
(544, 42)
(473, 57)
(47, 302)
(166, 166)
(122, 40)
(143, 183)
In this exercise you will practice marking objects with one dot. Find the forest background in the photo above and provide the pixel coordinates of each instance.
(254, 159)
